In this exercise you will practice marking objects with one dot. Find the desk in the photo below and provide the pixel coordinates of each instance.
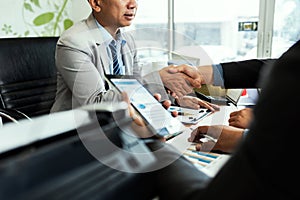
(181, 143)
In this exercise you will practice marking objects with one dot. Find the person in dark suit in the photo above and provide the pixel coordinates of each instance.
(264, 165)
(229, 75)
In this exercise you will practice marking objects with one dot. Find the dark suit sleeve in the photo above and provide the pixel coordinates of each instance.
(244, 74)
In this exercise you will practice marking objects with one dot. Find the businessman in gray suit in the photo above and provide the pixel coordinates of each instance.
(84, 58)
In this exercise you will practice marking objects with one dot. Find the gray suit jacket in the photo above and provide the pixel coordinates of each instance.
(82, 60)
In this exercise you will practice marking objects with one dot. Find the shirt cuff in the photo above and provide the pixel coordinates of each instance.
(245, 132)
(218, 75)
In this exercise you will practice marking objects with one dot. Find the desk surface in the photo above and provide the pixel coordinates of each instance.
(210, 166)
(218, 118)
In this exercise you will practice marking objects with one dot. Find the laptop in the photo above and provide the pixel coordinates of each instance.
(231, 96)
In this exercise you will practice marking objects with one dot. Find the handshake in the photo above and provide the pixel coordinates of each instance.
(182, 79)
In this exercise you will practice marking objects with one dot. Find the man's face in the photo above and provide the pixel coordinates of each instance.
(117, 13)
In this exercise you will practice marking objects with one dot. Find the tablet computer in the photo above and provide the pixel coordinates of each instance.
(152, 111)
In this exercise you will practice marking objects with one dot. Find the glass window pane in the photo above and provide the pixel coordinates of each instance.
(286, 25)
(225, 30)
(150, 27)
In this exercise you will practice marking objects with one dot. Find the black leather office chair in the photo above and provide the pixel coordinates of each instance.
(27, 76)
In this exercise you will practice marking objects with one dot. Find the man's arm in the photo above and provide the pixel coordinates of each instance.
(240, 74)
(244, 74)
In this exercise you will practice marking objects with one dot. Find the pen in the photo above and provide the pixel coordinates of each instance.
(181, 111)
(185, 113)
(207, 138)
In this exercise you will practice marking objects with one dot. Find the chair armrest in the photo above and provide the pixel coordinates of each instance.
(12, 115)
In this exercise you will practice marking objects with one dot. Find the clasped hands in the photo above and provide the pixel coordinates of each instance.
(180, 81)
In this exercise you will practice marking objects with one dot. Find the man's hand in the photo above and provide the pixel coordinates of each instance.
(228, 137)
(192, 74)
(196, 103)
(136, 116)
(139, 124)
(132, 113)
(241, 118)
(180, 84)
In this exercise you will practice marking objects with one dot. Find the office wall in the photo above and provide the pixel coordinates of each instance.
(38, 18)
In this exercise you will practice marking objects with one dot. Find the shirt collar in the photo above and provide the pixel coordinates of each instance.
(107, 36)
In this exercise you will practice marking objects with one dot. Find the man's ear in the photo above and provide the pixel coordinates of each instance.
(95, 5)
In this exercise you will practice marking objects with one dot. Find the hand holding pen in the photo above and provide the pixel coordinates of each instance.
(216, 137)
(197, 136)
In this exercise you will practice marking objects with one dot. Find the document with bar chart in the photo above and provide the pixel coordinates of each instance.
(209, 163)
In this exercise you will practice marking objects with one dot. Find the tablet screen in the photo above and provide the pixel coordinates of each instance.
(151, 110)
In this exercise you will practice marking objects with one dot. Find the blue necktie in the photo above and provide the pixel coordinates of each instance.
(116, 62)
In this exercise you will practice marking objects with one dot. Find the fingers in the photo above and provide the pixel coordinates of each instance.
(173, 69)
(125, 97)
(174, 113)
(193, 81)
(132, 113)
(192, 72)
(136, 117)
(196, 134)
(157, 96)
(196, 103)
(241, 118)
(237, 121)
(187, 102)
(233, 119)
(205, 147)
(166, 104)
(177, 85)
(180, 84)
(214, 106)
(198, 147)
(210, 106)
(234, 113)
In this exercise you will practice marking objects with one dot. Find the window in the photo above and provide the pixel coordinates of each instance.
(151, 30)
(225, 30)
(286, 29)
(216, 31)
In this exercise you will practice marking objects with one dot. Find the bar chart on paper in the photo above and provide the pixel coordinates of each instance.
(209, 163)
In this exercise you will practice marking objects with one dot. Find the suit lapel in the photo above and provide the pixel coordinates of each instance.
(105, 61)
(100, 43)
